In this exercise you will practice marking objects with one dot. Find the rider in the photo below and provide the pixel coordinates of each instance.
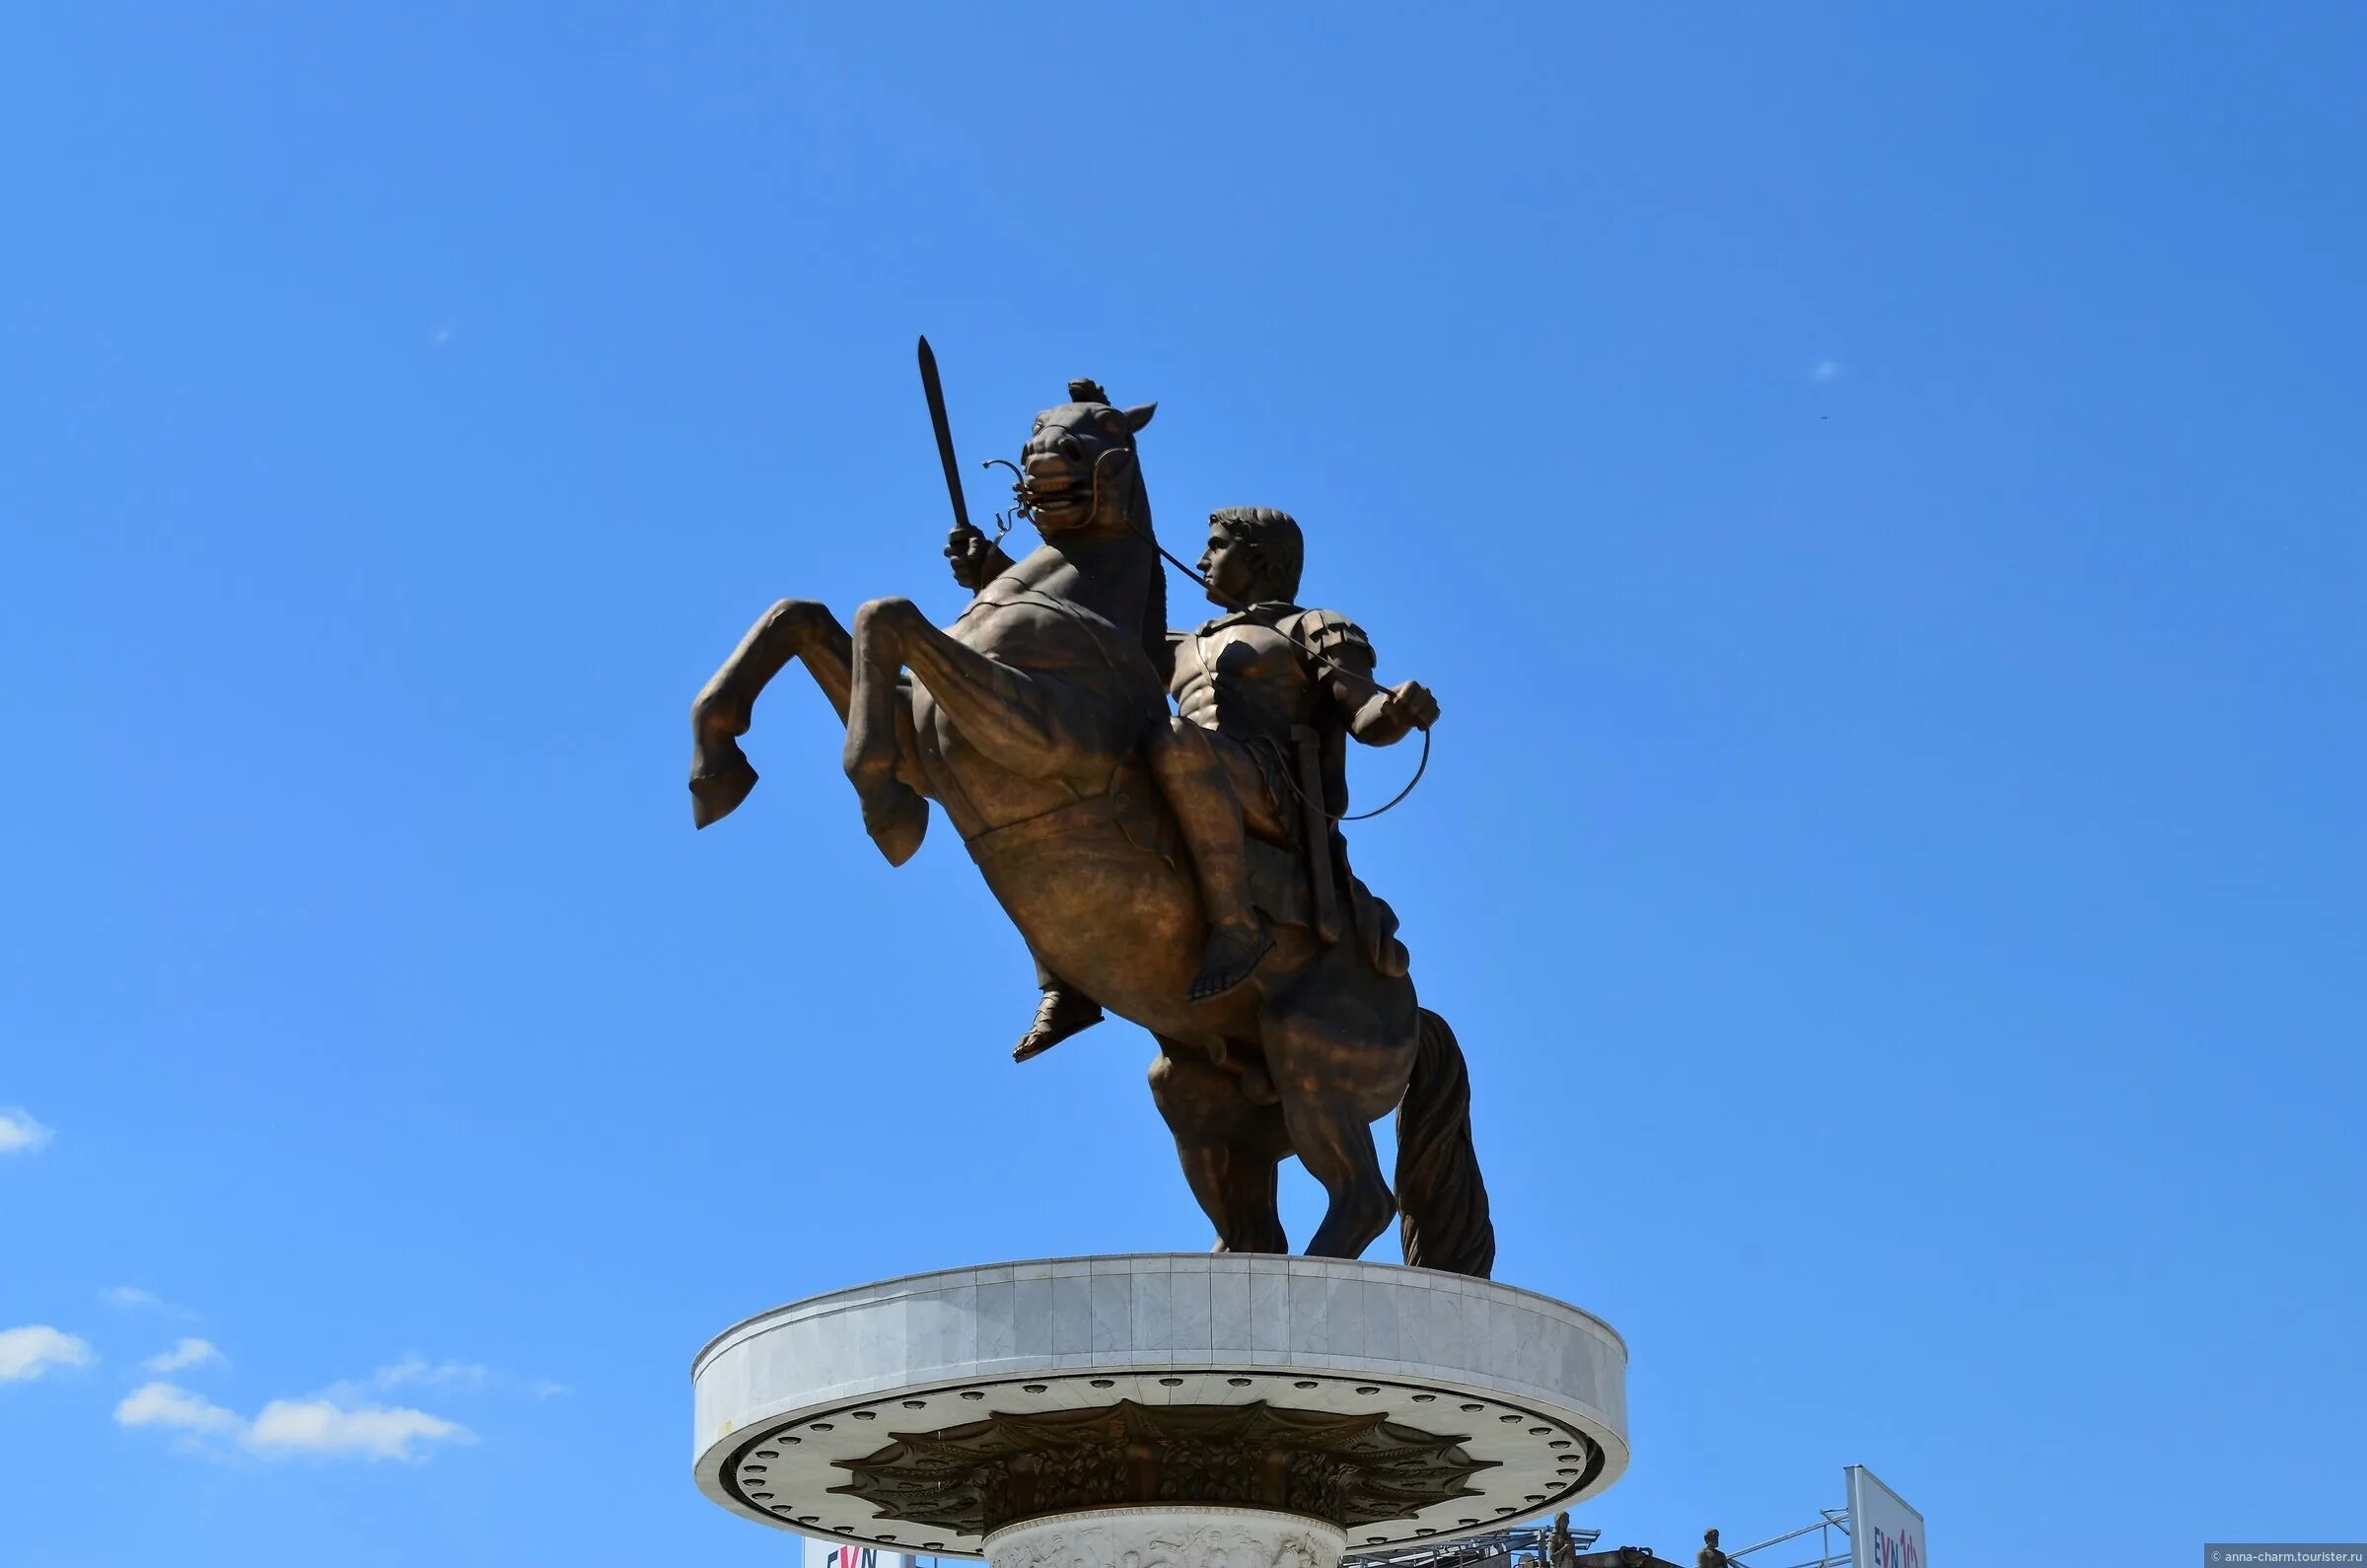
(1246, 684)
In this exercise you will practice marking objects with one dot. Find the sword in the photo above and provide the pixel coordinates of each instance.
(945, 433)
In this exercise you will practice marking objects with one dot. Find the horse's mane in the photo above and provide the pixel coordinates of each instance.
(1154, 611)
(1143, 545)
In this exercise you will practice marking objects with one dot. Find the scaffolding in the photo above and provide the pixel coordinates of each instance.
(1523, 1548)
(1828, 1522)
(1502, 1548)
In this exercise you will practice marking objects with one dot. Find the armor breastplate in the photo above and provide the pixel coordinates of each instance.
(1257, 678)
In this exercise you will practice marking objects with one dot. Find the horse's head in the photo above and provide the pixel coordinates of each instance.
(1078, 470)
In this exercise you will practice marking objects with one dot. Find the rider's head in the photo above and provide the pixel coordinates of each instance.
(1254, 556)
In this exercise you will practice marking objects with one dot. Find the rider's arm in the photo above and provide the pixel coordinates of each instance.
(1375, 714)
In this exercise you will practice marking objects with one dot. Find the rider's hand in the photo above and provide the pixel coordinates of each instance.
(1412, 704)
(971, 554)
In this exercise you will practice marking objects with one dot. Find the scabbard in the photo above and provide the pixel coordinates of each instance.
(1315, 826)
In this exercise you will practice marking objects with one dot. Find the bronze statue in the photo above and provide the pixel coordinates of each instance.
(1183, 871)
(1266, 696)
(1710, 1556)
(1558, 1549)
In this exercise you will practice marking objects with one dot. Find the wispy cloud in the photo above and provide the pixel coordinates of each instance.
(435, 1374)
(1826, 370)
(323, 1426)
(18, 1132)
(190, 1352)
(352, 1419)
(130, 1298)
(287, 1428)
(177, 1409)
(28, 1352)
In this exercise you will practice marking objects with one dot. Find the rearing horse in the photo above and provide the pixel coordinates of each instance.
(1024, 721)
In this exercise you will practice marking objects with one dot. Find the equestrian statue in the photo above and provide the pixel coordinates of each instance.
(1182, 866)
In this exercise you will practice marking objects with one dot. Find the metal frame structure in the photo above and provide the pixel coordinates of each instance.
(1507, 1548)
(1502, 1546)
(1829, 1520)
(1523, 1548)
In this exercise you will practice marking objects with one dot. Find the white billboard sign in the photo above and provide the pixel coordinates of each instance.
(829, 1554)
(1883, 1532)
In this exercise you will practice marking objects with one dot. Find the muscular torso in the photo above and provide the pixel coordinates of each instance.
(1242, 676)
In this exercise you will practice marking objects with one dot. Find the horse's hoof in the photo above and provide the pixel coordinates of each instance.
(718, 788)
(897, 818)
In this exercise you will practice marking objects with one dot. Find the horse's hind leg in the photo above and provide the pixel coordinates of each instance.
(1334, 1077)
(720, 773)
(1335, 1145)
(1229, 1147)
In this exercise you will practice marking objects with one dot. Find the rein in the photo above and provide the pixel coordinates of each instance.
(1419, 769)
(1020, 508)
(1334, 665)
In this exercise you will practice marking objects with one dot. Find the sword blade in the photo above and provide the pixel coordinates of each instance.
(945, 432)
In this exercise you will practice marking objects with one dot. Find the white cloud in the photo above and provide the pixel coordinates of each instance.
(439, 1373)
(323, 1426)
(1826, 370)
(132, 1299)
(190, 1352)
(18, 1132)
(28, 1352)
(285, 1428)
(162, 1404)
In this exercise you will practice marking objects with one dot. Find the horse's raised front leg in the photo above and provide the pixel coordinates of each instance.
(794, 629)
(894, 812)
(1031, 726)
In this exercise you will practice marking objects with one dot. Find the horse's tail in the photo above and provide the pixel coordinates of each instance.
(1443, 1202)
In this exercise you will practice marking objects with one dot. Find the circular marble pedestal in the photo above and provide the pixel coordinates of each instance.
(1279, 1408)
(1188, 1537)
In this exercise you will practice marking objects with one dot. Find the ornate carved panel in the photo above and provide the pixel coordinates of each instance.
(983, 1475)
(1154, 1537)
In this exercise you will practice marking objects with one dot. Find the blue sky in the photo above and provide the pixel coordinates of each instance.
(1876, 490)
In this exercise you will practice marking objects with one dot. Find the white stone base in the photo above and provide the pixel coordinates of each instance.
(1168, 1537)
(1532, 1389)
